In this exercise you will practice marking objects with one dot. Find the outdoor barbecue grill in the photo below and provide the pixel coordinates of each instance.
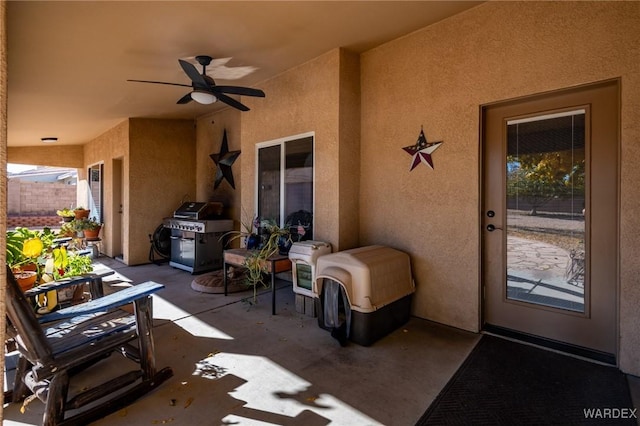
(196, 231)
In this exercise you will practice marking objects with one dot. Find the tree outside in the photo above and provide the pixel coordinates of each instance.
(537, 178)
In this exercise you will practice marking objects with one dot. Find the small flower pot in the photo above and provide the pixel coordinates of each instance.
(81, 214)
(26, 279)
(92, 234)
(284, 244)
(252, 241)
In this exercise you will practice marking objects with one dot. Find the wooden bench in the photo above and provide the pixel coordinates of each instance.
(75, 338)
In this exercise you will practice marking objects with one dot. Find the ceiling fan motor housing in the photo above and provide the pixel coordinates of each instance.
(204, 60)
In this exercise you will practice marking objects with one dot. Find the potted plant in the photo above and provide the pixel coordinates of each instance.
(81, 213)
(277, 240)
(251, 238)
(66, 214)
(267, 240)
(69, 229)
(87, 228)
(68, 263)
(91, 228)
(61, 263)
(24, 247)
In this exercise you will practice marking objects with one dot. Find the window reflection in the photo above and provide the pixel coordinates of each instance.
(545, 179)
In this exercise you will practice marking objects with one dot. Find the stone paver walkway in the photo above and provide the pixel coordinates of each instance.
(536, 273)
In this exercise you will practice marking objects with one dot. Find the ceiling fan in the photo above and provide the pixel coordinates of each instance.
(205, 91)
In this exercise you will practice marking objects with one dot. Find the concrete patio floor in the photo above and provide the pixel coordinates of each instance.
(235, 363)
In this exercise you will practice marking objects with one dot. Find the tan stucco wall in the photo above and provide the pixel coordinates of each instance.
(349, 150)
(209, 132)
(438, 78)
(114, 143)
(3, 166)
(162, 172)
(322, 96)
(306, 99)
(158, 168)
(55, 156)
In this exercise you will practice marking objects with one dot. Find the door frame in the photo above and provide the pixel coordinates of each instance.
(482, 207)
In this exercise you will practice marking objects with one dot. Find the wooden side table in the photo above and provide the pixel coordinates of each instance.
(273, 265)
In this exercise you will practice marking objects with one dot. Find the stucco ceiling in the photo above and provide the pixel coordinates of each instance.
(68, 62)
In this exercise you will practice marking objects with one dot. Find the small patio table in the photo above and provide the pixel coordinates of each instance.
(273, 265)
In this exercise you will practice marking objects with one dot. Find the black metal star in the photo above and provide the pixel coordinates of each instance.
(224, 160)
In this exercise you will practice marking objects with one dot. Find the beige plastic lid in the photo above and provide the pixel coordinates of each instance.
(373, 276)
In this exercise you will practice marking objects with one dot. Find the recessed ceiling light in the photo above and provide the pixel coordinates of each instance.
(49, 140)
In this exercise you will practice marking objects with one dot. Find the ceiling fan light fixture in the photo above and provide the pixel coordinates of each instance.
(202, 97)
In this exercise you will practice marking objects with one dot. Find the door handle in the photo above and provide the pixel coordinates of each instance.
(491, 227)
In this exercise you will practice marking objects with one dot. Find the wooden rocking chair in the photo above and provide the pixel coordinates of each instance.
(75, 338)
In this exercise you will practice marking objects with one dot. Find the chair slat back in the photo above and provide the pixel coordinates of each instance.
(24, 320)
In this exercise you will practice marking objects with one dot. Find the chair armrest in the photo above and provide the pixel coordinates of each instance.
(111, 301)
(60, 284)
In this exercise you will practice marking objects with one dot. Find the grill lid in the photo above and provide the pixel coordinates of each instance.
(198, 210)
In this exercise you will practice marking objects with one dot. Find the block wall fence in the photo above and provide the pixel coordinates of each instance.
(34, 204)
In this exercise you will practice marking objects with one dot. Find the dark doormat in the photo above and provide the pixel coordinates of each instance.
(508, 383)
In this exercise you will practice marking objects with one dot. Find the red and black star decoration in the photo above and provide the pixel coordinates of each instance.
(422, 150)
(224, 160)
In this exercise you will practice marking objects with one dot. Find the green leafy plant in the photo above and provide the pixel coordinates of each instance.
(68, 229)
(76, 225)
(26, 246)
(255, 270)
(256, 263)
(276, 236)
(90, 224)
(247, 229)
(65, 213)
(70, 264)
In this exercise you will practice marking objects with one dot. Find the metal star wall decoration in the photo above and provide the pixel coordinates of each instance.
(224, 160)
(422, 150)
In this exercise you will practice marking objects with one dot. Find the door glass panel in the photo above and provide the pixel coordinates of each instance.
(95, 191)
(298, 180)
(285, 186)
(269, 183)
(545, 187)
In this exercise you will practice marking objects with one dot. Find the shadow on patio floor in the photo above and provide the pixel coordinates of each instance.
(235, 363)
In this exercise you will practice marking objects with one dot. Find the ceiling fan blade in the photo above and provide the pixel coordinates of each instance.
(185, 99)
(160, 82)
(198, 80)
(231, 102)
(236, 90)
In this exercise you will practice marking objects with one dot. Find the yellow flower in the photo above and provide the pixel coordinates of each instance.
(32, 248)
